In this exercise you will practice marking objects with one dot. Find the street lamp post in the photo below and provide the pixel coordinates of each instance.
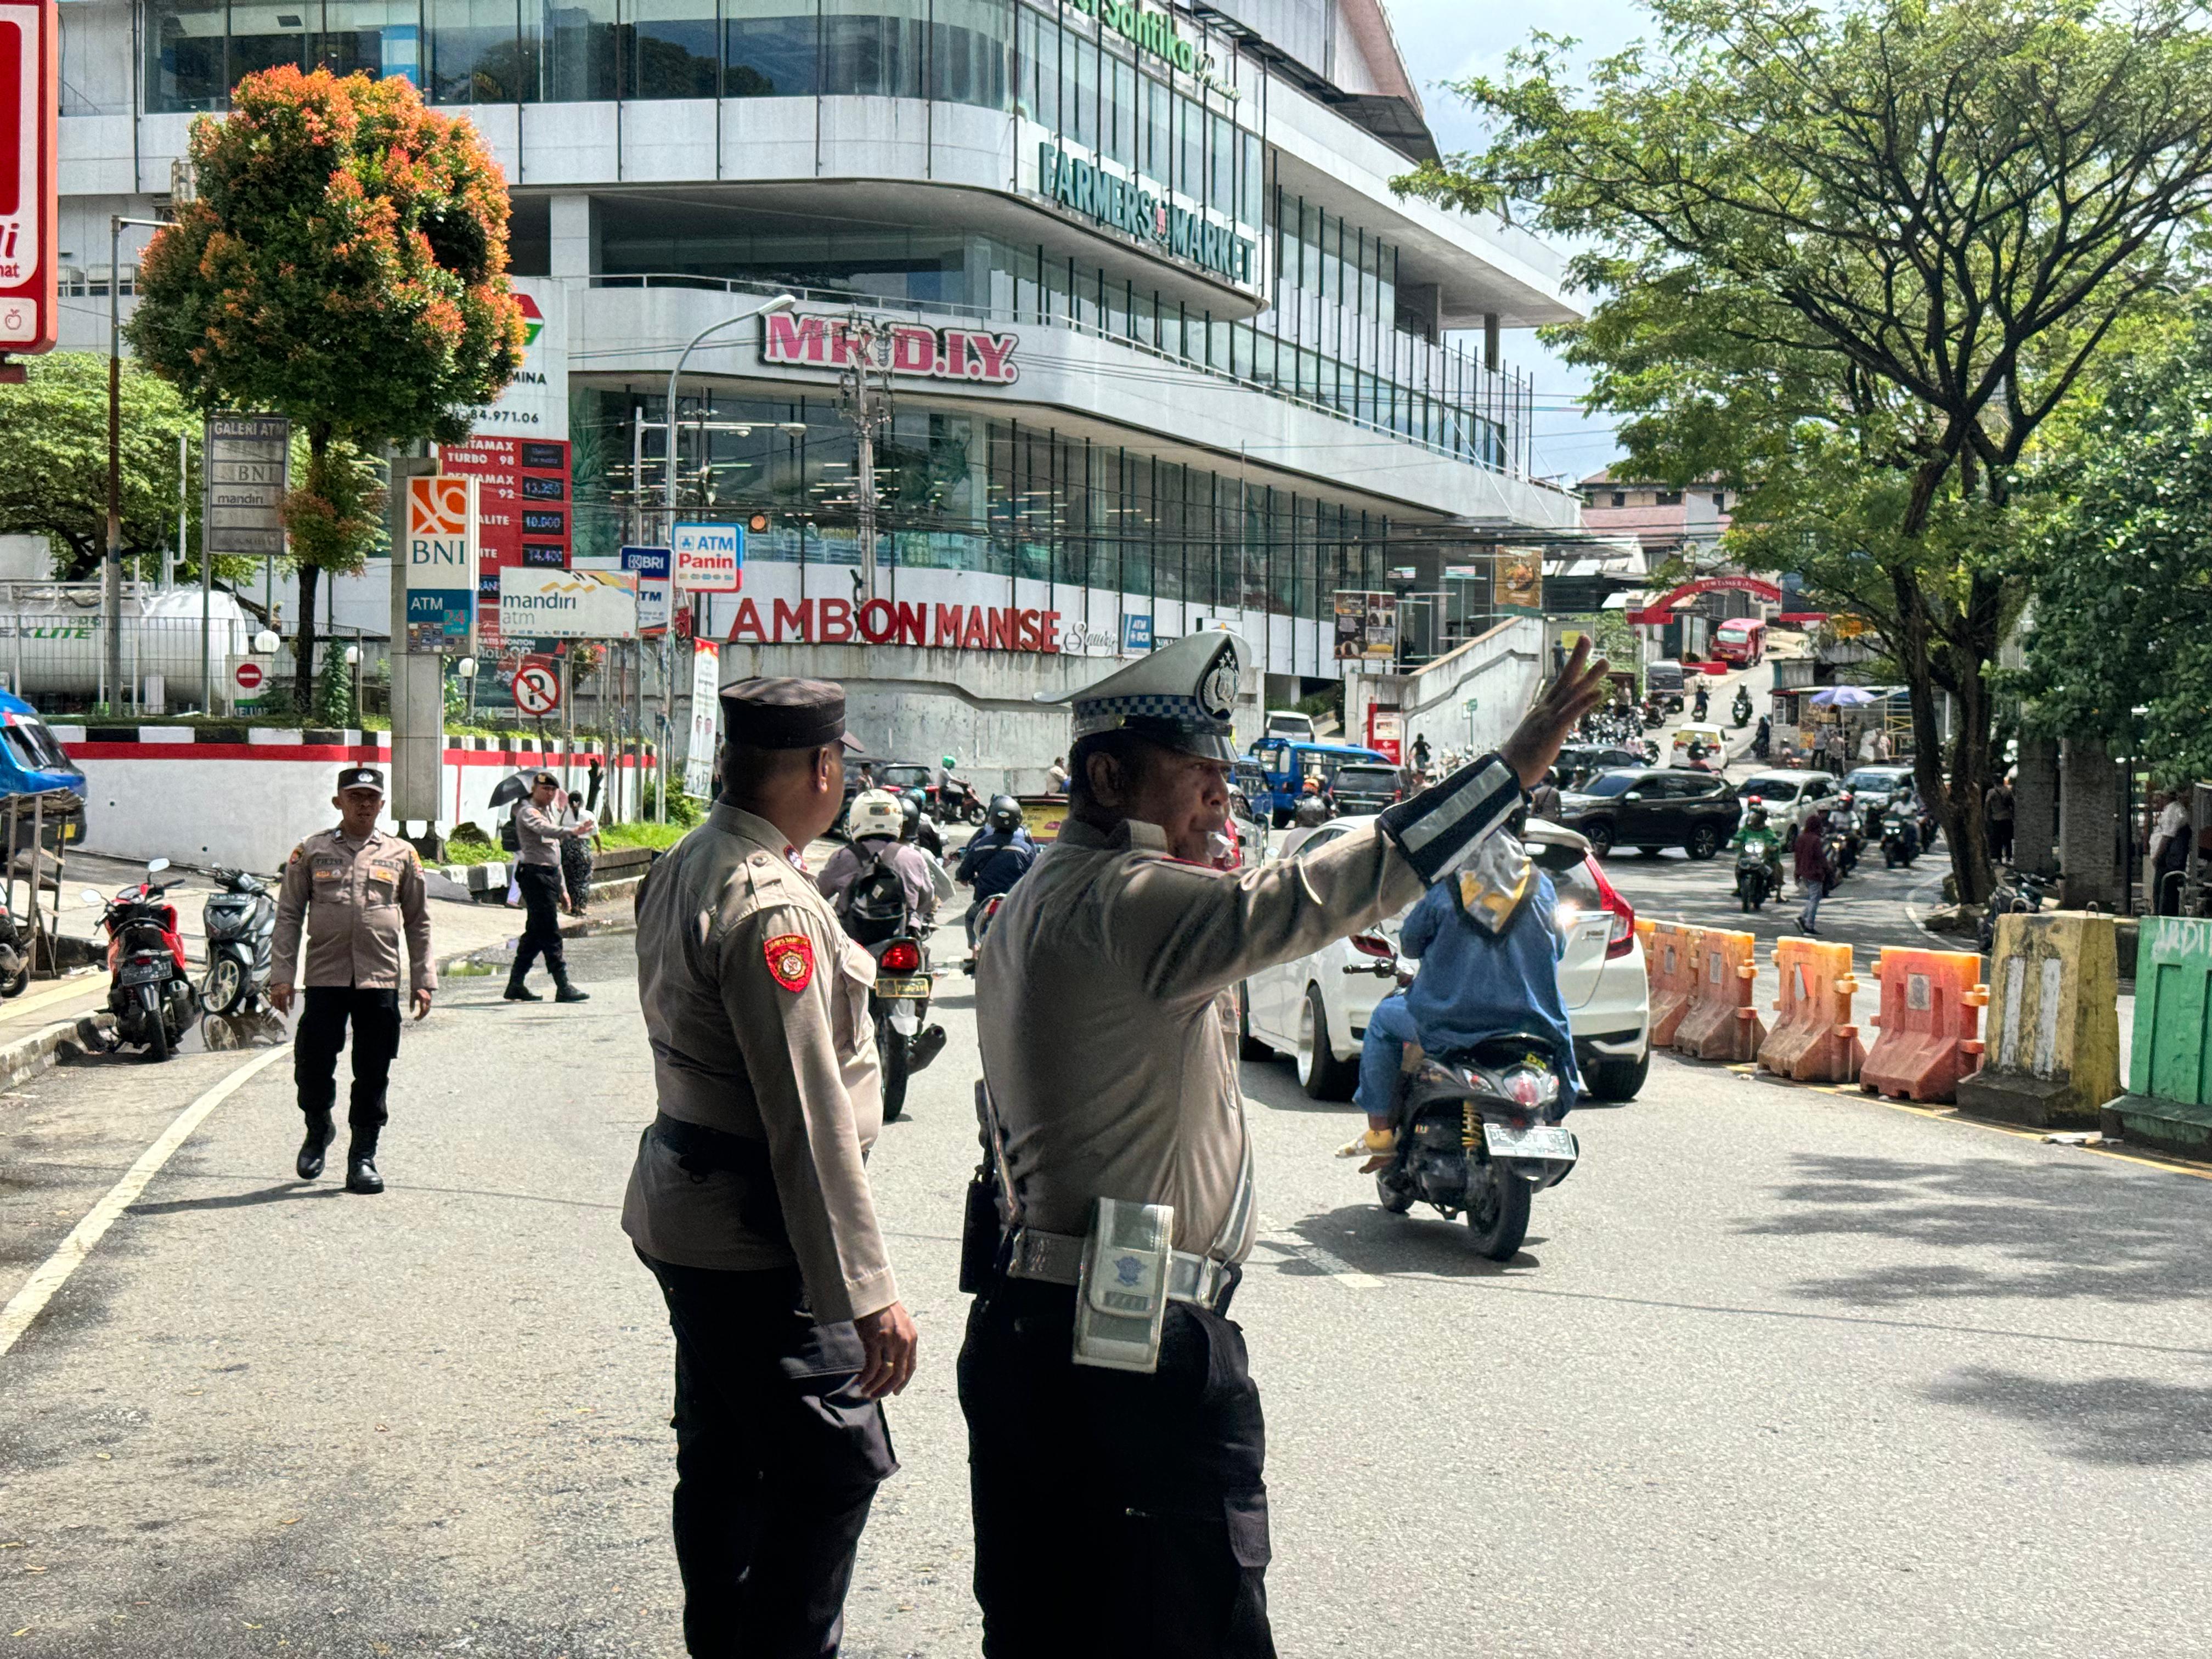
(781, 303)
(111, 572)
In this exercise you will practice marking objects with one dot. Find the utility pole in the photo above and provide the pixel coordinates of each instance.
(867, 409)
(112, 567)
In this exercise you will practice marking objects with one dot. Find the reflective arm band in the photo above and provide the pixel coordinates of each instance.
(1440, 828)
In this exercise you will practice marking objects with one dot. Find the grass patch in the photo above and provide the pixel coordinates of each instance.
(643, 834)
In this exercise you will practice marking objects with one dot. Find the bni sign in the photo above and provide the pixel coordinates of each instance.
(441, 569)
(706, 558)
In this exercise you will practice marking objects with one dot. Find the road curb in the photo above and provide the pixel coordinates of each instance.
(28, 1056)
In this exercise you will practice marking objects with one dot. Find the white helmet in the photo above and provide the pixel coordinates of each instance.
(875, 813)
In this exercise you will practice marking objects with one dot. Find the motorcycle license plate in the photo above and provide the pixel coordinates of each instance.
(144, 973)
(1544, 1141)
(902, 985)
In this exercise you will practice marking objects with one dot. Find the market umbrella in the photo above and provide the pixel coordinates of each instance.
(1843, 697)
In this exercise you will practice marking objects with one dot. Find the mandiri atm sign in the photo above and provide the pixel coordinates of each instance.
(29, 78)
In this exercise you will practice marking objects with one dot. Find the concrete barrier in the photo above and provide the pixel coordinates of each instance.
(2053, 1053)
(1722, 1023)
(1670, 971)
(2167, 1107)
(1815, 1040)
(1930, 1009)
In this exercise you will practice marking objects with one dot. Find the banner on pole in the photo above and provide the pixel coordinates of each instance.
(706, 710)
(441, 564)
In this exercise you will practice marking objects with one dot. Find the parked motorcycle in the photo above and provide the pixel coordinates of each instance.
(1741, 708)
(149, 988)
(2017, 893)
(1757, 870)
(15, 950)
(1477, 1133)
(240, 919)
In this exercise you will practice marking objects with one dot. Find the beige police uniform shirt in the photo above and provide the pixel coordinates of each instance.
(1106, 1005)
(757, 1009)
(538, 834)
(356, 898)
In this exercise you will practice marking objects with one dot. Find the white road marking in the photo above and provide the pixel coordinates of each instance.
(1331, 1266)
(38, 1289)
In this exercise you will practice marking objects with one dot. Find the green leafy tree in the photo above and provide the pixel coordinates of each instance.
(2123, 610)
(1852, 259)
(343, 262)
(53, 430)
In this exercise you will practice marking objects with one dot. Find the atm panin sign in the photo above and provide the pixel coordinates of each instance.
(708, 558)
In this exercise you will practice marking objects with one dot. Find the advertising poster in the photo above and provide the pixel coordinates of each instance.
(1518, 583)
(440, 554)
(567, 605)
(1367, 629)
(706, 710)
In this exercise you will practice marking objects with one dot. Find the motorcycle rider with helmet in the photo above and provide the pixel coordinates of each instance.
(918, 829)
(1313, 809)
(879, 842)
(998, 856)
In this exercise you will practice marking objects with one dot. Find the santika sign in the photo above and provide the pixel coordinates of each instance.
(912, 348)
(1124, 205)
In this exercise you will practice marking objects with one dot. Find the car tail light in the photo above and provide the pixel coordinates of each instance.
(902, 955)
(1620, 939)
(1372, 945)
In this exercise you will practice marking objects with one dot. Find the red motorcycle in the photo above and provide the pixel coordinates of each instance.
(150, 987)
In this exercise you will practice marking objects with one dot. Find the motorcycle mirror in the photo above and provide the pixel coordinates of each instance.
(90, 899)
(154, 866)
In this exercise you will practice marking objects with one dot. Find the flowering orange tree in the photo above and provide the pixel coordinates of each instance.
(343, 262)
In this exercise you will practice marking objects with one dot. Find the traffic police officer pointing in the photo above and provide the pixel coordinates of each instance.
(355, 890)
(1114, 1433)
(749, 1198)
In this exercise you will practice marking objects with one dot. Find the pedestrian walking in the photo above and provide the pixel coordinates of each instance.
(1114, 1435)
(538, 836)
(1810, 855)
(356, 891)
(578, 851)
(749, 1200)
(1997, 820)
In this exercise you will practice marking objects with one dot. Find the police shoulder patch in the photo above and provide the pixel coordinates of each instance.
(791, 960)
(296, 851)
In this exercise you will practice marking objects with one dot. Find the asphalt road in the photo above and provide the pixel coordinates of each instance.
(1781, 1371)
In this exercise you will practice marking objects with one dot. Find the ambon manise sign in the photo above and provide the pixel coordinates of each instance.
(883, 622)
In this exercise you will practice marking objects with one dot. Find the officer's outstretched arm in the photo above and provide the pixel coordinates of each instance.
(780, 978)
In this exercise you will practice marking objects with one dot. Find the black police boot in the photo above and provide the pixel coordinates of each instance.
(517, 990)
(361, 1163)
(564, 991)
(321, 1133)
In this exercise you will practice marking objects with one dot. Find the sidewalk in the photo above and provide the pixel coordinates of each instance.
(48, 1012)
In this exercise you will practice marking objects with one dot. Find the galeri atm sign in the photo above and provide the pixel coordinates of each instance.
(29, 76)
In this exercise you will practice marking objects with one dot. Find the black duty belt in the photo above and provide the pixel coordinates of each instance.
(703, 1152)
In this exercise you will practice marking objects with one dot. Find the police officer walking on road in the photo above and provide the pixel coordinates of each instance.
(1115, 1434)
(539, 835)
(355, 890)
(749, 1198)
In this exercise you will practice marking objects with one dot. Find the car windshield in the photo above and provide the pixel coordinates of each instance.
(904, 777)
(1610, 783)
(1361, 778)
(34, 749)
(1770, 788)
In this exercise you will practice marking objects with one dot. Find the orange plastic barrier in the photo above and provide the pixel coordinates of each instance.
(1670, 970)
(1815, 1040)
(1722, 1024)
(1929, 1012)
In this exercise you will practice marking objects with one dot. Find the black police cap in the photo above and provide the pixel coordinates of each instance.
(784, 713)
(360, 777)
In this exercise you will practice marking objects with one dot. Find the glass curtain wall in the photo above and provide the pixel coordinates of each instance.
(968, 492)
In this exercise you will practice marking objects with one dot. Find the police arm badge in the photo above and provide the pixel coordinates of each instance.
(791, 960)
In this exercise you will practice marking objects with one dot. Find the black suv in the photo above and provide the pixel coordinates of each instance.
(1652, 807)
(1360, 788)
(1579, 762)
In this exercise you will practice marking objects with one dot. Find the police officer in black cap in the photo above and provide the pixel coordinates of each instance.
(355, 889)
(749, 1198)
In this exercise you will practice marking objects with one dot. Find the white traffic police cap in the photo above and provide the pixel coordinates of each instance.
(1180, 696)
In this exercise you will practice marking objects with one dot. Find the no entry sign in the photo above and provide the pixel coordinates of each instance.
(249, 675)
(536, 689)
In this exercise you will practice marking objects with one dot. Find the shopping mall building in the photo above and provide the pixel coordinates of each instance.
(1164, 351)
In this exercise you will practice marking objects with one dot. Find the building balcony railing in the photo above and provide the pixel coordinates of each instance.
(1468, 413)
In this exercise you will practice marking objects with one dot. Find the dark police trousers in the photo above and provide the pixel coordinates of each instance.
(541, 932)
(1118, 1514)
(324, 1011)
(778, 1456)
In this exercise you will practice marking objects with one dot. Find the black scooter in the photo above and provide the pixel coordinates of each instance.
(1742, 708)
(240, 919)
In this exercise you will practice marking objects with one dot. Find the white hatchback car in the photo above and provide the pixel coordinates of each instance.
(1314, 1008)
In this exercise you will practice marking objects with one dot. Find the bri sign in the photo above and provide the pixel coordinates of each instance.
(881, 621)
(914, 348)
